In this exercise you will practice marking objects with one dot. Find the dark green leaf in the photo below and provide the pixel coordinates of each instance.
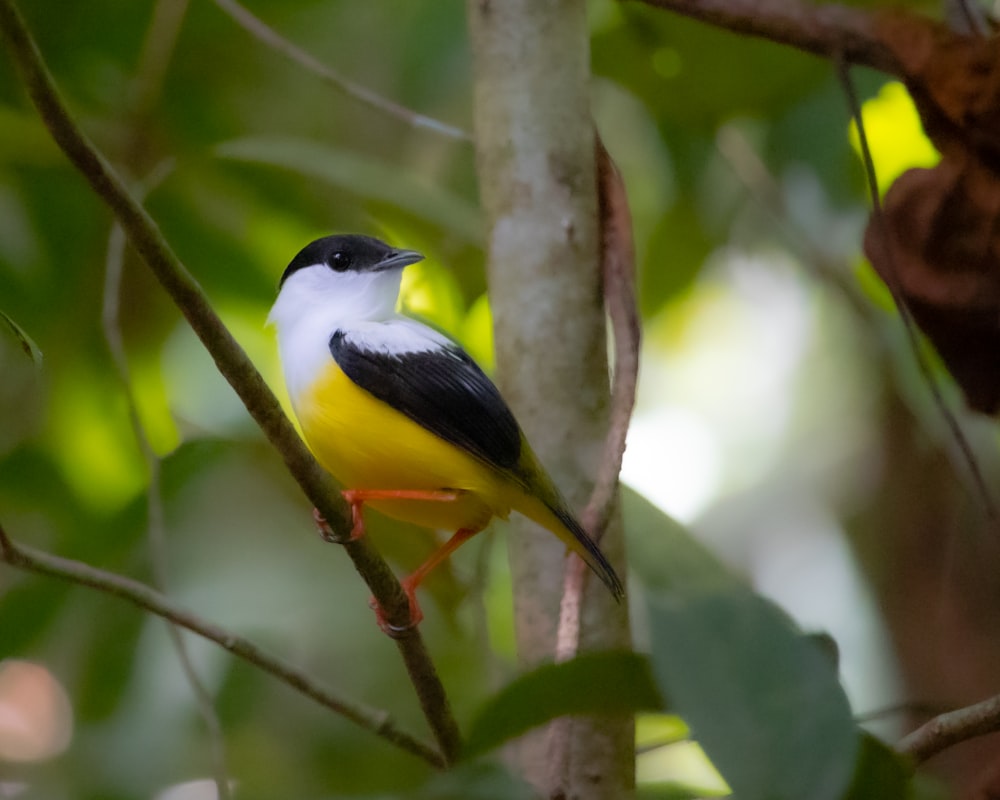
(739, 672)
(664, 555)
(596, 683)
(31, 350)
(762, 699)
(880, 774)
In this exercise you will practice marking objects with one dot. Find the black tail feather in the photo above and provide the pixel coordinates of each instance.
(592, 554)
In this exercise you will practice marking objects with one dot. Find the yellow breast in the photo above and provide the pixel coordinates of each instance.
(366, 444)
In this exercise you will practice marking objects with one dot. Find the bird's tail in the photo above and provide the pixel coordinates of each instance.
(556, 517)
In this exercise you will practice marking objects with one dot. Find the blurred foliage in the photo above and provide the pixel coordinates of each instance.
(761, 419)
(554, 690)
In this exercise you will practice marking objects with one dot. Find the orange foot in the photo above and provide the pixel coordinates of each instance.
(326, 532)
(410, 584)
(356, 498)
(416, 615)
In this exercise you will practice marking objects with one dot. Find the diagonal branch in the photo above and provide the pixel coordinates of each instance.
(824, 30)
(232, 362)
(951, 728)
(142, 596)
(256, 28)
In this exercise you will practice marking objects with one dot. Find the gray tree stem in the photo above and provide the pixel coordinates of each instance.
(535, 158)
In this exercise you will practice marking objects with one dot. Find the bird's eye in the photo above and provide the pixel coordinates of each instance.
(339, 261)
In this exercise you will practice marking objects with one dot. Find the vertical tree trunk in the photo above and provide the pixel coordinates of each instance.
(536, 166)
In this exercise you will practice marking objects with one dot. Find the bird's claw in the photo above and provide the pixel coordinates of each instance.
(326, 533)
(397, 631)
(357, 524)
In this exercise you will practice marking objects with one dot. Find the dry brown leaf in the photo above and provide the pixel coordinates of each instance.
(943, 223)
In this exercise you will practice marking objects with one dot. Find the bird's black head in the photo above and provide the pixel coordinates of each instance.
(352, 252)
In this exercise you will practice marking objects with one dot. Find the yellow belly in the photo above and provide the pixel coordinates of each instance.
(366, 444)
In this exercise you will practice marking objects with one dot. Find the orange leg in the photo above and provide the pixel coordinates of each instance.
(411, 583)
(356, 498)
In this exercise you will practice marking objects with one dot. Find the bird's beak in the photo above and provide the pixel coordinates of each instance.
(398, 259)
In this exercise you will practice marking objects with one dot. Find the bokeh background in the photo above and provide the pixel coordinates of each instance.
(781, 419)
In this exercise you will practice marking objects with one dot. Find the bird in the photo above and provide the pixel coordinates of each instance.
(401, 415)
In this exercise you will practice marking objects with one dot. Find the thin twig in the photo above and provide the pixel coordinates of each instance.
(255, 27)
(145, 597)
(618, 274)
(909, 324)
(154, 503)
(233, 363)
(768, 195)
(157, 52)
(951, 728)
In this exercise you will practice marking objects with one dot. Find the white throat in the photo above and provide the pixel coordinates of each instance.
(314, 303)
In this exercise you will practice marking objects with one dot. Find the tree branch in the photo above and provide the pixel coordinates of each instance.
(144, 597)
(537, 179)
(825, 30)
(256, 28)
(951, 728)
(232, 362)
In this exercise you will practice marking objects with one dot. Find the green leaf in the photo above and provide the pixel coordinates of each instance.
(762, 699)
(738, 670)
(664, 555)
(31, 350)
(881, 773)
(595, 683)
(368, 178)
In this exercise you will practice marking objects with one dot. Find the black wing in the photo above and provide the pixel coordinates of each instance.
(444, 391)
